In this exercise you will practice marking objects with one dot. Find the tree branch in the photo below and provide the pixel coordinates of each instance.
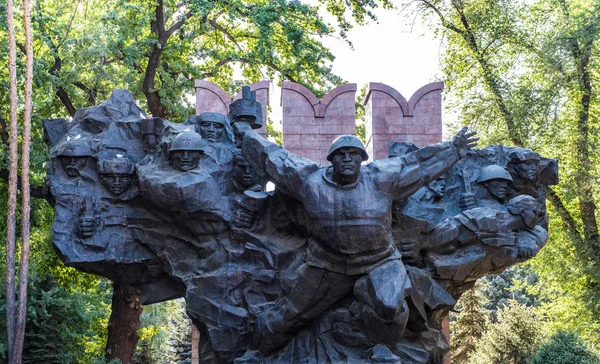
(91, 93)
(218, 27)
(175, 27)
(35, 191)
(445, 23)
(222, 63)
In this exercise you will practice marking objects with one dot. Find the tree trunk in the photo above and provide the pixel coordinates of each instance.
(12, 184)
(153, 98)
(25, 196)
(124, 323)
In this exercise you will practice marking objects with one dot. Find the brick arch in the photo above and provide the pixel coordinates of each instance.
(420, 93)
(310, 125)
(390, 91)
(391, 118)
(214, 93)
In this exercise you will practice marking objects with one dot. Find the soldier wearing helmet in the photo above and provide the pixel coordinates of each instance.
(346, 154)
(216, 133)
(210, 125)
(74, 157)
(495, 181)
(523, 164)
(116, 174)
(186, 150)
(348, 208)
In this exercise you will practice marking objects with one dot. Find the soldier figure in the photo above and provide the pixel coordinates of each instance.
(494, 180)
(483, 240)
(244, 176)
(349, 222)
(116, 174)
(74, 157)
(211, 126)
(186, 150)
(523, 164)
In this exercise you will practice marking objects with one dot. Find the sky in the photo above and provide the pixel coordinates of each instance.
(396, 50)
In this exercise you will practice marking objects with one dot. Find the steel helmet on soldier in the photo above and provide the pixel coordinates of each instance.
(213, 117)
(188, 140)
(116, 165)
(76, 148)
(494, 172)
(523, 155)
(347, 141)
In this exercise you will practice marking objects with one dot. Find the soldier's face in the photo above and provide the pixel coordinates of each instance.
(73, 165)
(211, 131)
(438, 187)
(527, 170)
(184, 160)
(497, 188)
(346, 161)
(116, 183)
(243, 173)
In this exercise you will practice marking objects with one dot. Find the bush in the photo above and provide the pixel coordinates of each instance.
(564, 348)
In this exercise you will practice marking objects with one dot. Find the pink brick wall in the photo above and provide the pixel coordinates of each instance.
(391, 118)
(212, 98)
(310, 125)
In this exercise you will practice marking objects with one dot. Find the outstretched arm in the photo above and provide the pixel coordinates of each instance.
(405, 175)
(288, 171)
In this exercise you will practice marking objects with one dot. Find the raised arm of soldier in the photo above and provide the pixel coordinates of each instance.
(287, 170)
(404, 175)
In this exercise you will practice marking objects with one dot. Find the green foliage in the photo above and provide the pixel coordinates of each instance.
(273, 134)
(63, 326)
(525, 73)
(162, 333)
(565, 348)
(512, 284)
(361, 128)
(468, 326)
(180, 339)
(512, 340)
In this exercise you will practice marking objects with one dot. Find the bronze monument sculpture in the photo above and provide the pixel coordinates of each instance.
(349, 262)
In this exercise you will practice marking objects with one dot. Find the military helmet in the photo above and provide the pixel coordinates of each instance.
(76, 148)
(187, 140)
(116, 165)
(347, 141)
(214, 117)
(494, 172)
(521, 203)
(523, 155)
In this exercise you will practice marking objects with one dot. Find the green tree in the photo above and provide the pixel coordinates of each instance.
(468, 326)
(565, 348)
(524, 73)
(512, 340)
(513, 284)
(361, 127)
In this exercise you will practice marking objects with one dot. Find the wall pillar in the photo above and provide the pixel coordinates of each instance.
(310, 125)
(391, 118)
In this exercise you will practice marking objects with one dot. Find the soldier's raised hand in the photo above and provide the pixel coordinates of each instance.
(464, 141)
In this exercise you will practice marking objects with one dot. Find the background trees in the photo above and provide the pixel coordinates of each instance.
(525, 73)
